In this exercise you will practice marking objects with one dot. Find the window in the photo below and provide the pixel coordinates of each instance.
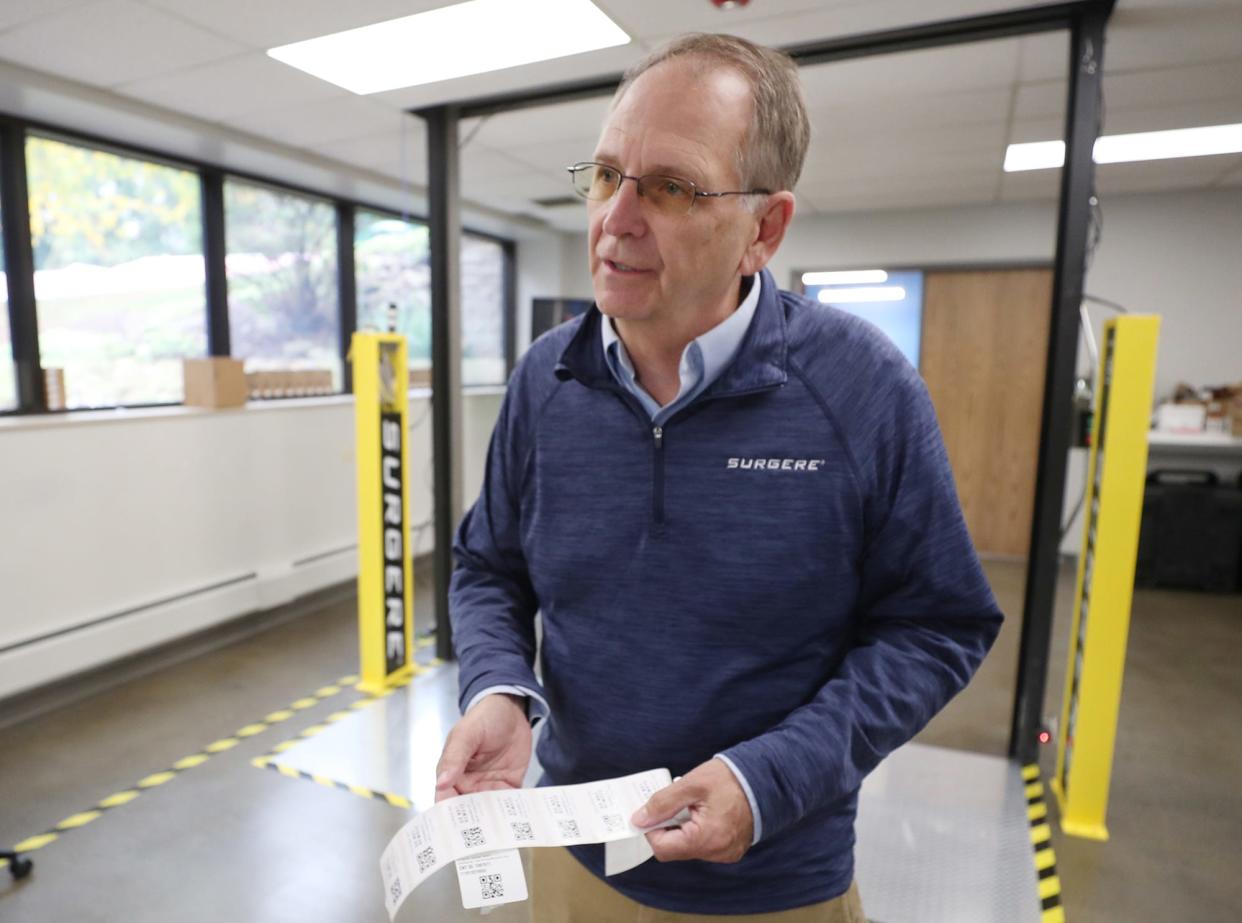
(119, 272)
(282, 275)
(391, 264)
(8, 383)
(893, 301)
(482, 311)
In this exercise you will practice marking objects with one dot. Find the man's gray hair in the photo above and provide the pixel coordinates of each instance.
(774, 148)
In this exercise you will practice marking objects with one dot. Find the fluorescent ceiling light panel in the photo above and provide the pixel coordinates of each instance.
(859, 295)
(1146, 145)
(1038, 155)
(844, 277)
(455, 41)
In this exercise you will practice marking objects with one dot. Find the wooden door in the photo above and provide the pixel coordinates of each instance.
(984, 345)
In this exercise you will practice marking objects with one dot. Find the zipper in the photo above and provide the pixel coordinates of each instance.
(657, 490)
(657, 436)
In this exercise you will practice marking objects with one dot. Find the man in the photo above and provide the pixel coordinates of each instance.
(732, 507)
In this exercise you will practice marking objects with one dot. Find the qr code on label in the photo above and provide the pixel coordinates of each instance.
(473, 836)
(569, 828)
(394, 890)
(491, 886)
(613, 823)
(426, 859)
(522, 831)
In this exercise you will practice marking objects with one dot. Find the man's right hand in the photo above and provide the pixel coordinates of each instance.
(488, 749)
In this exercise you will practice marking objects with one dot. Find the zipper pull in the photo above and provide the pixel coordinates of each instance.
(658, 433)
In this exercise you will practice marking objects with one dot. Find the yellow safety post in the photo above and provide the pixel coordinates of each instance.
(385, 571)
(1105, 588)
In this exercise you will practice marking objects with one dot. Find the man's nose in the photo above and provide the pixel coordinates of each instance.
(624, 215)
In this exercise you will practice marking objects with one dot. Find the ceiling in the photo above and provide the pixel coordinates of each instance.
(920, 129)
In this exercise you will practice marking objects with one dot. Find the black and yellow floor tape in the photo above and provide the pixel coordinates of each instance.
(269, 759)
(186, 763)
(1041, 841)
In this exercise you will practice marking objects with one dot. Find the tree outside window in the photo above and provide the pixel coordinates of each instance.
(119, 272)
(392, 266)
(284, 300)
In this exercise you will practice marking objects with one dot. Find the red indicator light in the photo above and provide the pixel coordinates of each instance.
(1044, 737)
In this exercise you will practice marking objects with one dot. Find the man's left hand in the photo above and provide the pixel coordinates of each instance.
(720, 827)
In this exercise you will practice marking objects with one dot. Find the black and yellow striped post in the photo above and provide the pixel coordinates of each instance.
(385, 569)
(1117, 472)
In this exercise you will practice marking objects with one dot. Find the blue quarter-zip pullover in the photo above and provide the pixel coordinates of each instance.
(778, 573)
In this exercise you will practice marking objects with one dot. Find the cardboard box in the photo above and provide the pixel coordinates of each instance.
(54, 389)
(1180, 418)
(215, 382)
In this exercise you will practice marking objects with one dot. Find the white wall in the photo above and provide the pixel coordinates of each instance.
(123, 530)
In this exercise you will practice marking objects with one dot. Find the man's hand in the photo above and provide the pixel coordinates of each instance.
(488, 749)
(720, 827)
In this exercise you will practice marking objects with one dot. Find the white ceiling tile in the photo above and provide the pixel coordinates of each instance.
(552, 158)
(111, 42)
(913, 74)
(853, 164)
(1160, 175)
(267, 23)
(574, 121)
(646, 18)
(1045, 57)
(232, 88)
(965, 108)
(1045, 99)
(1028, 131)
(1146, 88)
(1172, 34)
(1032, 185)
(321, 121)
(404, 152)
(976, 180)
(931, 197)
(526, 187)
(16, 12)
(1184, 115)
(825, 20)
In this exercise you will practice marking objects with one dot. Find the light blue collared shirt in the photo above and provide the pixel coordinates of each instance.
(702, 361)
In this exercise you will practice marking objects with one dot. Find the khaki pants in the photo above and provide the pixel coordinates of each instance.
(562, 891)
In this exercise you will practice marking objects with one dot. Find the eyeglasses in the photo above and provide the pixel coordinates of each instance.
(667, 195)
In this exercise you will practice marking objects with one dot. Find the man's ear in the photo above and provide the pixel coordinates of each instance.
(773, 221)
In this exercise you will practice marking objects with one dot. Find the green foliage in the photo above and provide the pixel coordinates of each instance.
(283, 295)
(91, 206)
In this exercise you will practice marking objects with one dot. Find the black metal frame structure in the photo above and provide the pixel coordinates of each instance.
(1086, 21)
(19, 257)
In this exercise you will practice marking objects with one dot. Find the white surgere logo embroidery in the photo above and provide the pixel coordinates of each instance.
(775, 464)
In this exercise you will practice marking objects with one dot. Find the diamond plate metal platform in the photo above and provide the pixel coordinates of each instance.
(943, 837)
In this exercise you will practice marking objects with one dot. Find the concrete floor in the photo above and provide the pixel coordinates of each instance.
(225, 840)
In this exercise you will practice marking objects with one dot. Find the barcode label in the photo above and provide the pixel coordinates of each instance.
(613, 823)
(426, 859)
(491, 887)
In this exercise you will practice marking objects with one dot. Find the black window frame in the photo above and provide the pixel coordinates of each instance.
(19, 259)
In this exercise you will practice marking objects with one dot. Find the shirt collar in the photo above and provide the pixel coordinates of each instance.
(707, 354)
